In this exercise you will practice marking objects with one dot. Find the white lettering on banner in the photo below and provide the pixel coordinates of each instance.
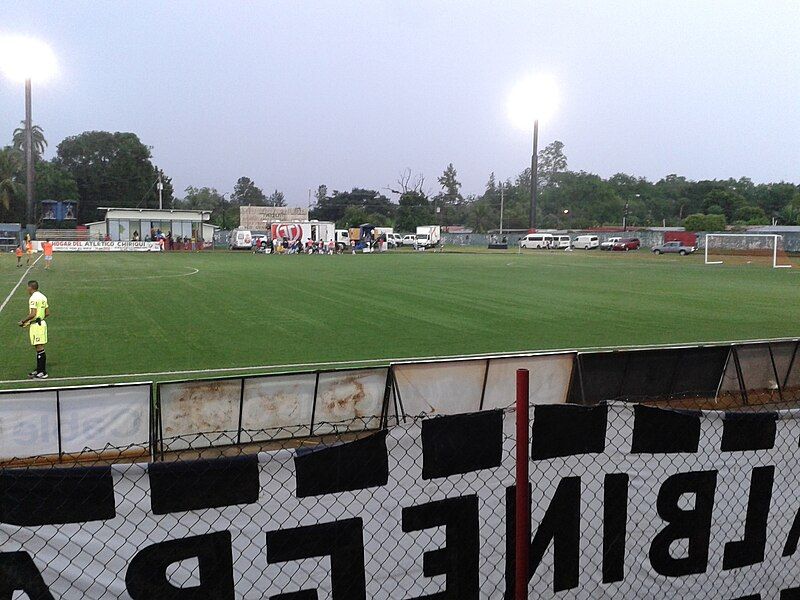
(99, 246)
(634, 503)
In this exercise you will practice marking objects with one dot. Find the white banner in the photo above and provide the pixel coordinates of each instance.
(627, 503)
(88, 246)
(36, 423)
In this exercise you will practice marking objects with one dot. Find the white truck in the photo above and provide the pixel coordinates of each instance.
(429, 236)
(303, 230)
(342, 238)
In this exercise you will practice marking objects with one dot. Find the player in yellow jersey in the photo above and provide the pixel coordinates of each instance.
(38, 311)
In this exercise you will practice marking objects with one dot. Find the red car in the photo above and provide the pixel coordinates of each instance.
(626, 244)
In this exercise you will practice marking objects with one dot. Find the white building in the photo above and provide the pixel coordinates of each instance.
(128, 224)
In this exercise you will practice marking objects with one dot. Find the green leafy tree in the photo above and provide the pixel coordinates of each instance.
(223, 213)
(333, 207)
(751, 215)
(450, 201)
(12, 192)
(321, 193)
(54, 182)
(247, 193)
(111, 169)
(415, 209)
(552, 161)
(276, 198)
(37, 135)
(701, 222)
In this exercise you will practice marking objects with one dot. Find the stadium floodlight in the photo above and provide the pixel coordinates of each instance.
(533, 98)
(745, 243)
(25, 59)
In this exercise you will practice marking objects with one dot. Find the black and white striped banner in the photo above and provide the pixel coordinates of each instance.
(627, 502)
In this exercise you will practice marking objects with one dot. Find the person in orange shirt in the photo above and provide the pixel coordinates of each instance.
(18, 252)
(47, 248)
(28, 250)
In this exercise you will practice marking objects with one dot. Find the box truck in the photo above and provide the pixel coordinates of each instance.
(429, 236)
(303, 230)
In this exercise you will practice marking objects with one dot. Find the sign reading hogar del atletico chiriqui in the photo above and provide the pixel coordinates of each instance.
(626, 502)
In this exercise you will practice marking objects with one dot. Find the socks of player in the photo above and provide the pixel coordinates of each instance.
(41, 362)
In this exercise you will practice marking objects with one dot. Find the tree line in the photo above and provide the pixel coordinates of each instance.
(568, 200)
(103, 169)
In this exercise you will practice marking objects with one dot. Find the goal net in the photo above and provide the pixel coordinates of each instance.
(746, 248)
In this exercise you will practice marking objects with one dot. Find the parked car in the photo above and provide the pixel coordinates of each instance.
(674, 248)
(586, 242)
(409, 240)
(609, 243)
(259, 239)
(394, 240)
(536, 240)
(626, 244)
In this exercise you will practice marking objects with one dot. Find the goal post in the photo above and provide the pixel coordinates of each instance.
(763, 244)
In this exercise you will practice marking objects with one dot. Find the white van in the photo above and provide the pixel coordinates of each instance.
(561, 241)
(586, 242)
(241, 239)
(536, 240)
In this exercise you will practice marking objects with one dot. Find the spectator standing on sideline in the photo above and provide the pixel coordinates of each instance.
(18, 252)
(47, 248)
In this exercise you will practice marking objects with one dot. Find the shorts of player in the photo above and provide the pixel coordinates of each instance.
(38, 333)
(48, 258)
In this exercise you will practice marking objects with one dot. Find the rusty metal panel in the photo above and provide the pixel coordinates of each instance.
(101, 417)
(277, 406)
(757, 370)
(757, 366)
(198, 414)
(440, 388)
(549, 379)
(349, 400)
(28, 424)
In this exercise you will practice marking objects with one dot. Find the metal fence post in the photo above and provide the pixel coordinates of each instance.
(523, 514)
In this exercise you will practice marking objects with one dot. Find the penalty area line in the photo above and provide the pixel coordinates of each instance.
(405, 359)
(16, 287)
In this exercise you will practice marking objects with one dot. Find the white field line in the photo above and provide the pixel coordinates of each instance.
(21, 279)
(192, 271)
(405, 359)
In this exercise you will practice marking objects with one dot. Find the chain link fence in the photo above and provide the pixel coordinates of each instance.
(653, 500)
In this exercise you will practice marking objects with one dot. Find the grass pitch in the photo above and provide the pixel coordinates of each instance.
(145, 314)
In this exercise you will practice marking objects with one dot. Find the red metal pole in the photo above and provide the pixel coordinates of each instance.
(523, 514)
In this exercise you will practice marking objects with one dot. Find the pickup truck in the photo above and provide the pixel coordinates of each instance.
(674, 248)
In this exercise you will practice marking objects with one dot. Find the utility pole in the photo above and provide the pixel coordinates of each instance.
(160, 186)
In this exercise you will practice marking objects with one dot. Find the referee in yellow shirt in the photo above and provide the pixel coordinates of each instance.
(35, 321)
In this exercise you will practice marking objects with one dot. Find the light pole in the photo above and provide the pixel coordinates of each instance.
(532, 99)
(534, 172)
(30, 210)
(26, 59)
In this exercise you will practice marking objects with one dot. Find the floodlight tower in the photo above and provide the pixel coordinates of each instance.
(24, 59)
(532, 99)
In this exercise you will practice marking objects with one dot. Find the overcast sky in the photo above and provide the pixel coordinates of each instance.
(345, 93)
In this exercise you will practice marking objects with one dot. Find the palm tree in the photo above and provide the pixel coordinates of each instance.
(10, 171)
(39, 143)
